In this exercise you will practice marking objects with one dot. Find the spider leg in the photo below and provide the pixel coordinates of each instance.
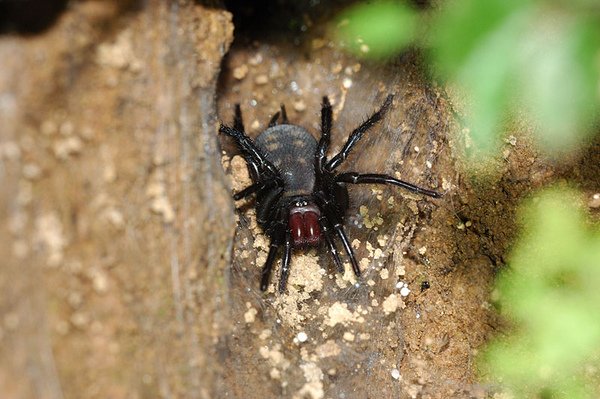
(258, 186)
(252, 153)
(323, 146)
(238, 122)
(284, 117)
(265, 274)
(339, 229)
(357, 134)
(329, 238)
(277, 233)
(274, 118)
(285, 263)
(375, 178)
(333, 218)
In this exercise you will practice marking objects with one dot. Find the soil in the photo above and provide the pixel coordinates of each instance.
(129, 272)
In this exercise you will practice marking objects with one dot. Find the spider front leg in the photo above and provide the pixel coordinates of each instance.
(275, 118)
(323, 146)
(376, 178)
(285, 261)
(328, 234)
(357, 134)
(336, 222)
(265, 274)
(280, 234)
(238, 121)
(277, 235)
(254, 188)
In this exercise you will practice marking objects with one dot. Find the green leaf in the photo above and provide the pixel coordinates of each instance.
(551, 295)
(377, 30)
(475, 45)
(559, 71)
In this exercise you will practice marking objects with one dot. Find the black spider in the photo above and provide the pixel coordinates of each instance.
(299, 196)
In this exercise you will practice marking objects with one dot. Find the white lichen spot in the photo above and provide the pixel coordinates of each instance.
(66, 147)
(31, 171)
(113, 216)
(261, 258)
(118, 54)
(307, 273)
(512, 140)
(364, 263)
(382, 240)
(328, 349)
(348, 336)
(240, 72)
(162, 206)
(261, 242)
(595, 201)
(363, 210)
(364, 336)
(370, 248)
(240, 178)
(422, 250)
(349, 276)
(384, 274)
(250, 315)
(275, 356)
(49, 233)
(225, 161)
(299, 105)
(99, 280)
(256, 59)
(446, 185)
(261, 80)
(313, 388)
(391, 304)
(264, 334)
(302, 337)
(404, 291)
(339, 313)
(275, 374)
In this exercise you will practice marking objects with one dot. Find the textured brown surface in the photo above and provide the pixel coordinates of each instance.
(124, 273)
(111, 183)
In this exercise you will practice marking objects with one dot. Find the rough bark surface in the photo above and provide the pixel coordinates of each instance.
(127, 270)
(114, 209)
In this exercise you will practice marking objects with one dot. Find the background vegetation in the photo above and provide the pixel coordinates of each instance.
(525, 63)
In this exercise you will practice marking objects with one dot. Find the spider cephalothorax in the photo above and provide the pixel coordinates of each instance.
(300, 198)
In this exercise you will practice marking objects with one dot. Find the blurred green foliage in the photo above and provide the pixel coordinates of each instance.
(551, 294)
(533, 58)
(539, 60)
(378, 30)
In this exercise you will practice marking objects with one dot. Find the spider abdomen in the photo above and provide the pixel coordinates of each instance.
(291, 149)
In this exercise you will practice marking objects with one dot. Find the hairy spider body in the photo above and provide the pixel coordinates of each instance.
(300, 199)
